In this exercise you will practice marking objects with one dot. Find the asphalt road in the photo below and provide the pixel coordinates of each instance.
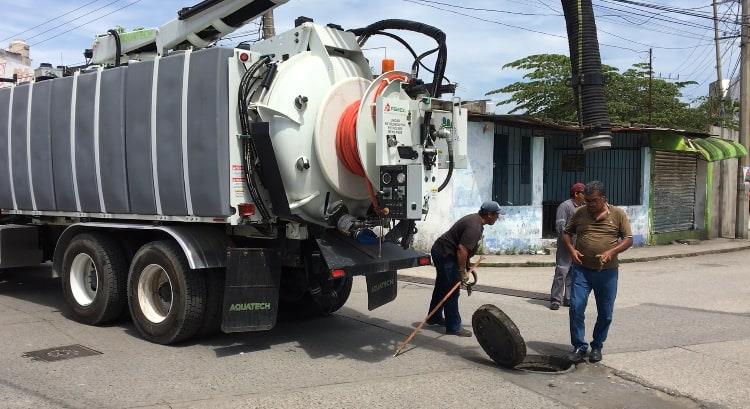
(346, 360)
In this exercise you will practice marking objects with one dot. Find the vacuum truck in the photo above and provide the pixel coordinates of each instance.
(197, 188)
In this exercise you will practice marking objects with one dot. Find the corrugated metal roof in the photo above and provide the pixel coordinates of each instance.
(530, 122)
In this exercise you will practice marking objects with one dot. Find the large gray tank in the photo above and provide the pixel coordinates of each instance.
(95, 143)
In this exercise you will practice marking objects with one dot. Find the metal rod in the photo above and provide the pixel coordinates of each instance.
(434, 310)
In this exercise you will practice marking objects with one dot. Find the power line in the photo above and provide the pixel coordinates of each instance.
(649, 45)
(491, 10)
(536, 14)
(485, 20)
(669, 9)
(68, 22)
(653, 16)
(86, 23)
(675, 32)
(517, 27)
(687, 60)
(47, 21)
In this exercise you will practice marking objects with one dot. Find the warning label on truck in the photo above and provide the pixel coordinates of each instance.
(238, 181)
(394, 122)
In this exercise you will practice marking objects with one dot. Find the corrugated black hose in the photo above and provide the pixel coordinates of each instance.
(586, 68)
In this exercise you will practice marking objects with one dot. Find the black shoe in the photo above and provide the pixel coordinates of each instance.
(554, 306)
(461, 333)
(566, 303)
(436, 321)
(578, 356)
(595, 356)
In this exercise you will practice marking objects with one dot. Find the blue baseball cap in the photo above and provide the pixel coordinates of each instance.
(491, 206)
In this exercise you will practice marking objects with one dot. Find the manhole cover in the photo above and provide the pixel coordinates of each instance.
(61, 353)
(498, 336)
(502, 341)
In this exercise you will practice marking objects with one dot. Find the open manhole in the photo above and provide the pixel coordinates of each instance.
(545, 364)
(502, 341)
(61, 353)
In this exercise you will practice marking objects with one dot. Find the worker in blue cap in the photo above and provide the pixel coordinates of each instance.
(450, 255)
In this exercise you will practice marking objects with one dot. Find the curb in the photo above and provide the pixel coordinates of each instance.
(622, 260)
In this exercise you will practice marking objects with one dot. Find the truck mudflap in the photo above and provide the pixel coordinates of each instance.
(377, 262)
(251, 292)
(381, 289)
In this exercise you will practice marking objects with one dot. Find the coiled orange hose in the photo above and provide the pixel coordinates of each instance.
(346, 139)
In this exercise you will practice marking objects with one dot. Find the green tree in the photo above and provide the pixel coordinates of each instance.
(545, 92)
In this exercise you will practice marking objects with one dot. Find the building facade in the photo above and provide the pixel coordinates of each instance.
(658, 176)
(15, 61)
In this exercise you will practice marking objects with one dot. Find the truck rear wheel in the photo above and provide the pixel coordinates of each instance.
(215, 279)
(321, 301)
(94, 278)
(167, 299)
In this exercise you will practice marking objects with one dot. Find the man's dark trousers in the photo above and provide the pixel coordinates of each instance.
(604, 285)
(447, 277)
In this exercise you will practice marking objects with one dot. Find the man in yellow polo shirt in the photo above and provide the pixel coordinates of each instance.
(602, 232)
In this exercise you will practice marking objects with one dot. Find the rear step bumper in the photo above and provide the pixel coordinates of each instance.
(343, 253)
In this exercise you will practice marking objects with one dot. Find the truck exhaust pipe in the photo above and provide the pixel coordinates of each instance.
(587, 79)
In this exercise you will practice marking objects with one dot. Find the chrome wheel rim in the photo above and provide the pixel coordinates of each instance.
(84, 279)
(155, 293)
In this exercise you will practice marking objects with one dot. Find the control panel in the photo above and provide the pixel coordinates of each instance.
(401, 191)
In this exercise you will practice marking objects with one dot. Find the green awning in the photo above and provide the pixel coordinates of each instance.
(714, 149)
(710, 148)
(741, 150)
(710, 151)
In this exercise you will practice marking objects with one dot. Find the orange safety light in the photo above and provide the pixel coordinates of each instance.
(388, 65)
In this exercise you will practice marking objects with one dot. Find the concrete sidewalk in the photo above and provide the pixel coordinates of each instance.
(682, 325)
(633, 255)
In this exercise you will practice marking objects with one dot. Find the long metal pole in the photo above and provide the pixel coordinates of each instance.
(434, 310)
(719, 89)
(716, 106)
(268, 28)
(742, 210)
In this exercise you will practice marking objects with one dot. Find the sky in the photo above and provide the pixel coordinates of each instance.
(482, 35)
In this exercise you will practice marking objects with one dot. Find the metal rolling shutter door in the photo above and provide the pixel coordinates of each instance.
(673, 191)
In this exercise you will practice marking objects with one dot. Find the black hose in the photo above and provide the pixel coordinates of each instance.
(249, 153)
(430, 31)
(417, 59)
(450, 167)
(586, 68)
(118, 46)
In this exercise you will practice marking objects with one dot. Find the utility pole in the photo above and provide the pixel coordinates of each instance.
(719, 80)
(267, 23)
(719, 97)
(741, 225)
(650, 82)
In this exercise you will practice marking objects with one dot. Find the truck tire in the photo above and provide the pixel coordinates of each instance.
(214, 299)
(321, 302)
(94, 279)
(167, 299)
(335, 296)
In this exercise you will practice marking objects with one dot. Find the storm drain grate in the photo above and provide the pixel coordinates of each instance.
(61, 353)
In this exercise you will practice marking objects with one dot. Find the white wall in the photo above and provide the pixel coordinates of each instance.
(521, 227)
